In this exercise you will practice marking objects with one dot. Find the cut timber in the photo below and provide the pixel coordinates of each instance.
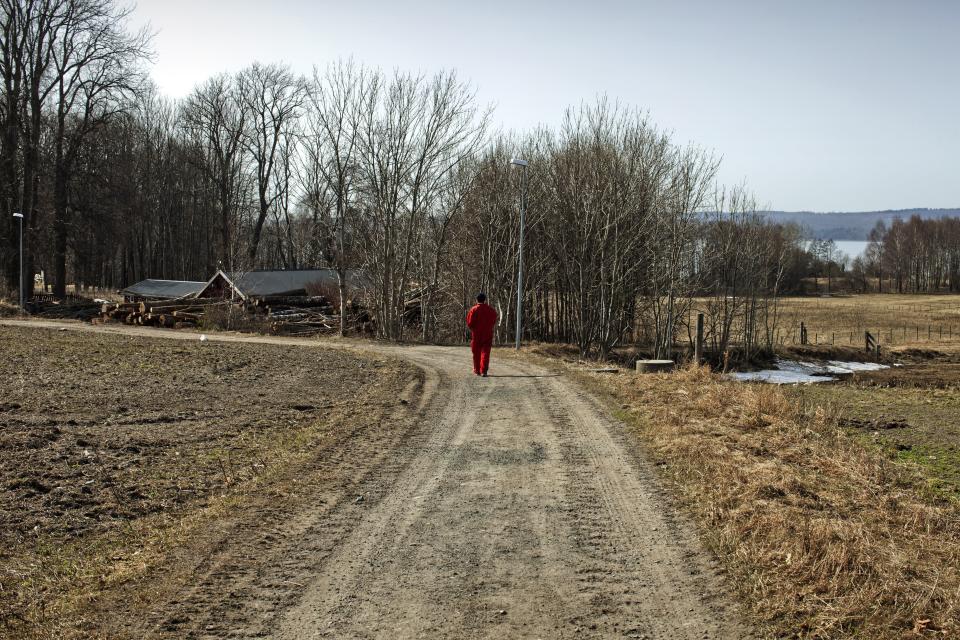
(296, 301)
(654, 366)
(165, 306)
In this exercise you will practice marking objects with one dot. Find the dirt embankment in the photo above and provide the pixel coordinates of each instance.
(118, 449)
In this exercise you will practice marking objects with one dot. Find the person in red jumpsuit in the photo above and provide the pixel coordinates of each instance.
(481, 319)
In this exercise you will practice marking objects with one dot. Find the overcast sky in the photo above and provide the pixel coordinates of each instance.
(826, 106)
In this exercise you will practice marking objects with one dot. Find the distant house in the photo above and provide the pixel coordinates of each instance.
(161, 290)
(264, 283)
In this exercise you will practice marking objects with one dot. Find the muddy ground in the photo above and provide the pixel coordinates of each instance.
(912, 411)
(113, 444)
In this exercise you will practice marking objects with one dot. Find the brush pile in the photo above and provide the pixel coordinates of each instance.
(298, 315)
(71, 307)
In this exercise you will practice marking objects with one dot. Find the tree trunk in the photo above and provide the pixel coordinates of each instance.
(60, 227)
(342, 287)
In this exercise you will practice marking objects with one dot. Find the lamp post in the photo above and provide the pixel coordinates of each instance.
(20, 217)
(523, 214)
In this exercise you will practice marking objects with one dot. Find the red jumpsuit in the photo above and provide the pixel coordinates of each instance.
(481, 319)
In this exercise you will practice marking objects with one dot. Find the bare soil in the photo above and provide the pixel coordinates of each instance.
(114, 445)
(510, 506)
(88, 423)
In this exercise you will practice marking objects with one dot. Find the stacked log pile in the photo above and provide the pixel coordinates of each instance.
(281, 315)
(174, 314)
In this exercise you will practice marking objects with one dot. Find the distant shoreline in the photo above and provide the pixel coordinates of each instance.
(851, 226)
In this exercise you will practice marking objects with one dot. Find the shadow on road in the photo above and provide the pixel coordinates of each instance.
(519, 375)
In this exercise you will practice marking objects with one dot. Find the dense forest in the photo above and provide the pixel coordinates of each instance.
(398, 174)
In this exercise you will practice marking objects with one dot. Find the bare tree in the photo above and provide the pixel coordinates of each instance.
(15, 18)
(413, 133)
(96, 65)
(330, 167)
(671, 276)
(273, 98)
(214, 120)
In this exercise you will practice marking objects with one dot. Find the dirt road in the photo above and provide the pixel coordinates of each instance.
(520, 510)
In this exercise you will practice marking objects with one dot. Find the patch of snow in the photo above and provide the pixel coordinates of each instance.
(775, 376)
(857, 366)
(795, 372)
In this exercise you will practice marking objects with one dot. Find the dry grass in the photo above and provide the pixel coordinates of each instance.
(901, 321)
(827, 538)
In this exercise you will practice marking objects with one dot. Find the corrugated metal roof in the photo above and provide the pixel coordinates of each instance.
(292, 282)
(163, 289)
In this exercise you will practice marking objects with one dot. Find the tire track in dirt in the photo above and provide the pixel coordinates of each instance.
(627, 526)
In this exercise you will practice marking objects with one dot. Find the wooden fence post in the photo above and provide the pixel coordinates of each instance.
(698, 347)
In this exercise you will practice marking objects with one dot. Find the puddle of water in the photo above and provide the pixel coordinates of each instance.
(797, 372)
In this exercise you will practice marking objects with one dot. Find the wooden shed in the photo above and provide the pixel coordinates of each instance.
(272, 283)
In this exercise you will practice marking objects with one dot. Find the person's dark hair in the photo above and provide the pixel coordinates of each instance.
(481, 297)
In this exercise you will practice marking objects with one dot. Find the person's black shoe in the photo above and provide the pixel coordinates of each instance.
(484, 374)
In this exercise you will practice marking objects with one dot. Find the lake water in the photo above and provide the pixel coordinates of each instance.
(852, 248)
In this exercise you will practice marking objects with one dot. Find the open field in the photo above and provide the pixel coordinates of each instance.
(898, 321)
(118, 449)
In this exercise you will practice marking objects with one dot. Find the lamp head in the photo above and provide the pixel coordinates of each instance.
(518, 162)
(18, 215)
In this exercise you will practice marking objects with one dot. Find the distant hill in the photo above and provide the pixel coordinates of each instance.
(854, 225)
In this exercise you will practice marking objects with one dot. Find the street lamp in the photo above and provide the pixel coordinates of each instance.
(523, 213)
(20, 216)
